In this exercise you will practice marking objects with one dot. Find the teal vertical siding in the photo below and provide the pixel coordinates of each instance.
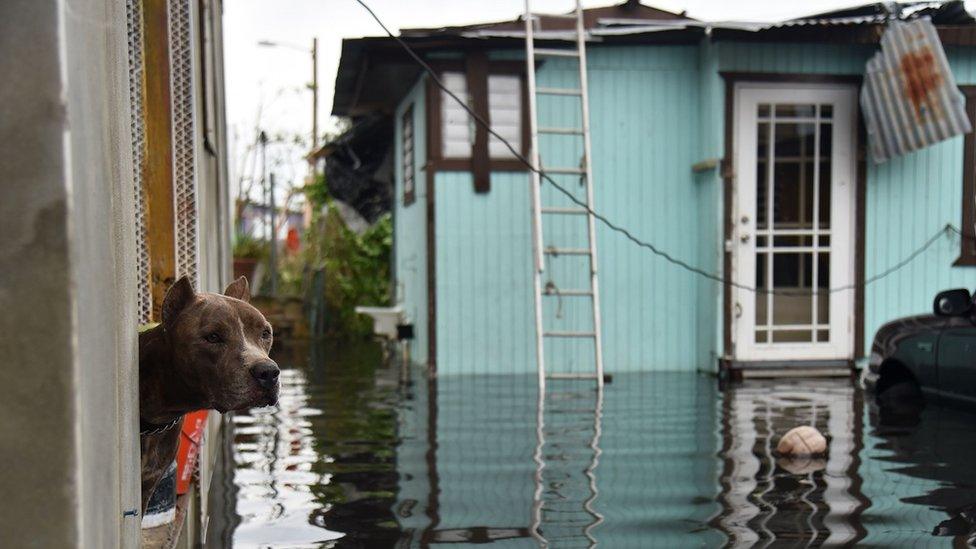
(485, 318)
(655, 111)
(645, 138)
(410, 225)
(708, 186)
(644, 115)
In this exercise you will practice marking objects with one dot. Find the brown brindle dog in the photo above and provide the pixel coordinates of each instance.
(209, 352)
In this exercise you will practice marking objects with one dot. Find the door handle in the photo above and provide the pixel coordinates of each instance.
(744, 238)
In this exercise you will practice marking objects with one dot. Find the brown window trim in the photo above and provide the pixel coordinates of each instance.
(477, 68)
(967, 246)
(409, 195)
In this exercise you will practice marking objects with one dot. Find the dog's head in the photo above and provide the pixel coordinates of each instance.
(219, 345)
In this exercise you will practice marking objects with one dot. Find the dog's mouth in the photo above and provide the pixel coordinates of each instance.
(271, 396)
(265, 396)
(256, 397)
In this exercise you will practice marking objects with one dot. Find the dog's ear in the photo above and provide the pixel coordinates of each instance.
(178, 296)
(239, 289)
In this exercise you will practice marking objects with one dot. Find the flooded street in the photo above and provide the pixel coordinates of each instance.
(363, 455)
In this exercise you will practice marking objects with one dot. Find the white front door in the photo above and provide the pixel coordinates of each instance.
(793, 222)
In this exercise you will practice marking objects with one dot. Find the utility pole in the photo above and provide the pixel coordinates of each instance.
(314, 87)
(315, 98)
(274, 239)
(263, 141)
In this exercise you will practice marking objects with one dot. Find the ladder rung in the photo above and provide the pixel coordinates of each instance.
(559, 91)
(572, 376)
(568, 292)
(571, 171)
(550, 52)
(563, 131)
(565, 211)
(567, 251)
(554, 15)
(569, 334)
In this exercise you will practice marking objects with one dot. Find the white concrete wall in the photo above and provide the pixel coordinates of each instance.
(68, 405)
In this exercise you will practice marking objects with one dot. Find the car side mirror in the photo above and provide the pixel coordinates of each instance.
(956, 302)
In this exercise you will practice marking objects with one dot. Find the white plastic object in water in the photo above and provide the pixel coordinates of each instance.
(385, 319)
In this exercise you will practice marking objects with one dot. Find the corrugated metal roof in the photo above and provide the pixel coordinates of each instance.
(634, 18)
(909, 98)
(366, 61)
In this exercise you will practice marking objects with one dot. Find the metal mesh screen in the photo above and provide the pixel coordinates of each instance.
(138, 134)
(184, 184)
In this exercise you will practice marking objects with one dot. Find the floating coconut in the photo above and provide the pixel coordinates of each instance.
(803, 441)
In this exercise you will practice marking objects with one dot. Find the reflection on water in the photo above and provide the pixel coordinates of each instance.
(809, 502)
(319, 467)
(358, 454)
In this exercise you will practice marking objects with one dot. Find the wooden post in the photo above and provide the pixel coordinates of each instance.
(157, 168)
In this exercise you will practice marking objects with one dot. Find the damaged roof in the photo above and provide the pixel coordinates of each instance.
(630, 9)
(379, 59)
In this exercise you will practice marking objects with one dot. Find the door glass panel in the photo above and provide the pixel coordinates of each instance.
(792, 241)
(793, 191)
(762, 174)
(791, 277)
(791, 336)
(795, 111)
(792, 184)
(823, 287)
(761, 284)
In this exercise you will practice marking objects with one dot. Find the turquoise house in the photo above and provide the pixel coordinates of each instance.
(736, 148)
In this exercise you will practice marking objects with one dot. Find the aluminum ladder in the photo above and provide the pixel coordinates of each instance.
(542, 252)
(569, 414)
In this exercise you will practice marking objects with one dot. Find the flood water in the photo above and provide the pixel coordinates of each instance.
(359, 454)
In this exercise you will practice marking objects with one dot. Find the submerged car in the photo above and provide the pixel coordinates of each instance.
(928, 355)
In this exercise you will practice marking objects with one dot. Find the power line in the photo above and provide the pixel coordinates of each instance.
(948, 229)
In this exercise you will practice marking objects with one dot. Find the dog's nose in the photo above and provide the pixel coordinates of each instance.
(266, 373)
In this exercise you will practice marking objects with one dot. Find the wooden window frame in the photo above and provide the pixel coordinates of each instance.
(477, 67)
(967, 246)
(408, 166)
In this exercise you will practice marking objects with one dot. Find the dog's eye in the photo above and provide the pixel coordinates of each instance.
(266, 334)
(213, 337)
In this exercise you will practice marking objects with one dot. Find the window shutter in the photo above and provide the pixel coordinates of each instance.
(456, 125)
(505, 111)
(407, 160)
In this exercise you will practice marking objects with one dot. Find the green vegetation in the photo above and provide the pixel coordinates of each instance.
(247, 246)
(356, 266)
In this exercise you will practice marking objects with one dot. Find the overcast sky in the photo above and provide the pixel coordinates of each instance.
(276, 77)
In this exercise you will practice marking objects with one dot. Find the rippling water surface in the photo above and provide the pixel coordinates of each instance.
(359, 454)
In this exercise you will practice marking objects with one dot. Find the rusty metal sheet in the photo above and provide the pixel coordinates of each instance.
(910, 99)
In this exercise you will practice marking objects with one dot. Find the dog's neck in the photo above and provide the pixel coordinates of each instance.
(163, 395)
